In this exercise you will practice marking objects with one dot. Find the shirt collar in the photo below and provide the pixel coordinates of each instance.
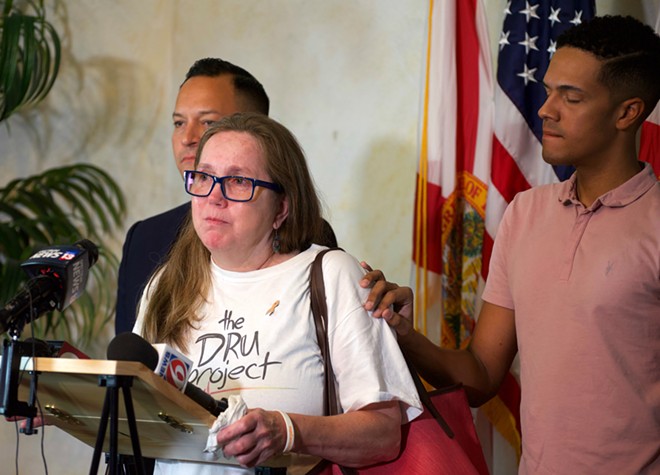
(622, 195)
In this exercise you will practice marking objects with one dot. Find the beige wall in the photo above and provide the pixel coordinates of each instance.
(344, 76)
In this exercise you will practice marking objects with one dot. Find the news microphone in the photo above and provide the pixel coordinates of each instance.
(167, 363)
(58, 275)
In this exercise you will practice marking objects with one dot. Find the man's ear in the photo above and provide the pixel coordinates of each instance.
(631, 113)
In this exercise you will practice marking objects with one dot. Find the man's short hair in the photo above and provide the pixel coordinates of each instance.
(629, 50)
(245, 83)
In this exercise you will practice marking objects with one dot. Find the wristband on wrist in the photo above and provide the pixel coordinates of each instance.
(290, 432)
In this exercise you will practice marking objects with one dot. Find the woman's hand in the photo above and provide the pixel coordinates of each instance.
(254, 438)
(36, 422)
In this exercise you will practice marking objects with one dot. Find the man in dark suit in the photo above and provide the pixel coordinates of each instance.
(213, 88)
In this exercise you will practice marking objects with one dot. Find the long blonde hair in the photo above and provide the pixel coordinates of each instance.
(184, 280)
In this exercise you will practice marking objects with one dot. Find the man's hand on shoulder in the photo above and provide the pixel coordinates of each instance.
(388, 300)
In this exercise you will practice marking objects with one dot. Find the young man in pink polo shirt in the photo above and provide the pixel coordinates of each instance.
(574, 281)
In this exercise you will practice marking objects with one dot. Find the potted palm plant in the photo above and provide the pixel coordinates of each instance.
(57, 206)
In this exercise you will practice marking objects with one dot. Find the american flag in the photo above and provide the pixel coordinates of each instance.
(526, 44)
(649, 147)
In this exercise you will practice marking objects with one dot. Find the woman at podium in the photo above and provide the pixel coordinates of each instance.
(234, 297)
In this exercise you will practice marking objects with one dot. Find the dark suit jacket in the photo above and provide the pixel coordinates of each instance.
(145, 248)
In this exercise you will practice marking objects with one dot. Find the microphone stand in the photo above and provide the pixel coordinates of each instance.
(111, 412)
(10, 405)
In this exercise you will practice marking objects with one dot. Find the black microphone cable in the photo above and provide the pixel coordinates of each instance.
(40, 412)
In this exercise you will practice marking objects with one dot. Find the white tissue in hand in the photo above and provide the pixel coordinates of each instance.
(236, 408)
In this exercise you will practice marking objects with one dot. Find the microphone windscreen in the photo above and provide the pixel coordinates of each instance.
(130, 346)
(92, 250)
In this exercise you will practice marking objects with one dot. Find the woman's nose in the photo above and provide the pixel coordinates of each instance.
(216, 196)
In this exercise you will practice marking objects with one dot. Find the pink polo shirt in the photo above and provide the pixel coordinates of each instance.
(585, 287)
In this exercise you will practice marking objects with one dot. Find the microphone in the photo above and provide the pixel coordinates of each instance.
(166, 362)
(58, 275)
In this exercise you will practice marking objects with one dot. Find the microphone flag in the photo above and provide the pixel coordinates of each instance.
(173, 366)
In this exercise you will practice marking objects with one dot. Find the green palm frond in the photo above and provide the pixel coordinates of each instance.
(30, 53)
(61, 206)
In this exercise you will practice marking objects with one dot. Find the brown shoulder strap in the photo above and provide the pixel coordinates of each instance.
(320, 312)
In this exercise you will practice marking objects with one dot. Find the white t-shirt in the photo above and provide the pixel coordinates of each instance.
(258, 339)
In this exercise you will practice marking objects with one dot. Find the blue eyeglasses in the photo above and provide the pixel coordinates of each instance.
(234, 188)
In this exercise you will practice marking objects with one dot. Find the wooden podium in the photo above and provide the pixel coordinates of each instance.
(169, 424)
